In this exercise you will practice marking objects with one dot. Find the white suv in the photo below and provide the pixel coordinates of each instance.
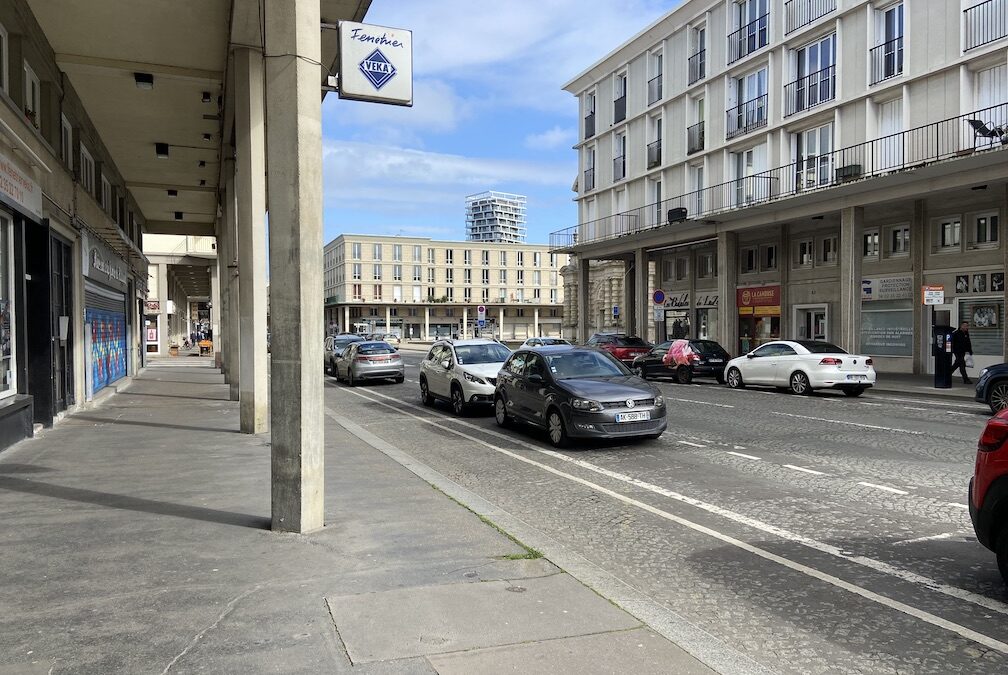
(463, 372)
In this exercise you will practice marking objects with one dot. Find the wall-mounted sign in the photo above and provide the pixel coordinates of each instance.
(102, 264)
(677, 300)
(152, 306)
(706, 300)
(933, 295)
(18, 189)
(375, 63)
(758, 301)
(658, 297)
(887, 288)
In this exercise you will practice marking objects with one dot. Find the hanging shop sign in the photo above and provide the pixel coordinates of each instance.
(152, 306)
(18, 189)
(759, 301)
(375, 63)
(887, 288)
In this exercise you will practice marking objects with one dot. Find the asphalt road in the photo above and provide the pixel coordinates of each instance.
(809, 534)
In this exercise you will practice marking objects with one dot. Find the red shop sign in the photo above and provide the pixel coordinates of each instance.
(758, 296)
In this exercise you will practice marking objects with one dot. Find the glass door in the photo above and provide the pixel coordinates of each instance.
(8, 373)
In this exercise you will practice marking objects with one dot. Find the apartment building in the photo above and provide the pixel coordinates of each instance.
(496, 217)
(420, 288)
(800, 169)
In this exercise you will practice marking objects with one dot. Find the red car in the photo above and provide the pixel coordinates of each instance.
(625, 348)
(988, 491)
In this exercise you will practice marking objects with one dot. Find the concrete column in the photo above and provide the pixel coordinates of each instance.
(628, 312)
(426, 323)
(294, 143)
(215, 312)
(918, 235)
(500, 317)
(388, 319)
(234, 282)
(221, 309)
(583, 302)
(727, 271)
(162, 289)
(851, 255)
(465, 322)
(250, 160)
(641, 298)
(346, 319)
(535, 322)
(787, 330)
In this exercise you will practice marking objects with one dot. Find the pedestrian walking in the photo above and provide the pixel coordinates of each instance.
(961, 346)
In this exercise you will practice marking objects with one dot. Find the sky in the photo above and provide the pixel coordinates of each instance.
(488, 114)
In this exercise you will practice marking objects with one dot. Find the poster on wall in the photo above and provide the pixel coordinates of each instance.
(979, 283)
(962, 284)
(5, 329)
(887, 332)
(986, 317)
(108, 347)
(997, 282)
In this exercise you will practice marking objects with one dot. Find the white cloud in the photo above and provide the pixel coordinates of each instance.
(557, 137)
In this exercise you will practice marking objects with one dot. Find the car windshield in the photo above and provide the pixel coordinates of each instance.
(630, 342)
(375, 348)
(583, 364)
(473, 354)
(816, 347)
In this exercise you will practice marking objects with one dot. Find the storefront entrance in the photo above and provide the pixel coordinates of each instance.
(759, 316)
(61, 314)
(811, 322)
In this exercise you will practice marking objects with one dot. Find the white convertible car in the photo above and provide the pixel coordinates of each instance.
(802, 366)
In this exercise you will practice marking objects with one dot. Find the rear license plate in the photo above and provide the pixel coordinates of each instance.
(639, 416)
(715, 360)
(857, 378)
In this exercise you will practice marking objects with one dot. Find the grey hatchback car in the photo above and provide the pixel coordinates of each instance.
(361, 361)
(577, 392)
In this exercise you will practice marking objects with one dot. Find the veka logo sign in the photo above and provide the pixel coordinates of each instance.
(377, 69)
(375, 63)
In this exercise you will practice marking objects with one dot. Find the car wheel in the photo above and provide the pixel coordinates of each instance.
(640, 372)
(800, 384)
(500, 412)
(458, 401)
(400, 379)
(556, 430)
(684, 375)
(734, 378)
(853, 392)
(425, 395)
(997, 399)
(1001, 550)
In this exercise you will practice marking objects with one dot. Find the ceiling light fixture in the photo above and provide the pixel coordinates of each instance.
(173, 193)
(206, 96)
(202, 163)
(161, 150)
(202, 182)
(979, 187)
(144, 80)
(178, 215)
(207, 137)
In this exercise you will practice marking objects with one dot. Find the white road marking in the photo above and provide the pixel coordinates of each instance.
(877, 405)
(744, 456)
(933, 402)
(877, 565)
(884, 487)
(689, 400)
(739, 447)
(801, 468)
(933, 537)
(956, 412)
(959, 506)
(908, 407)
(695, 445)
(853, 424)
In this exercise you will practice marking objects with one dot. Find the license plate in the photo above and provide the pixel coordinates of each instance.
(639, 416)
(858, 378)
(715, 360)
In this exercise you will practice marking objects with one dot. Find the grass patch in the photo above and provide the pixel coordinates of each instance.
(528, 553)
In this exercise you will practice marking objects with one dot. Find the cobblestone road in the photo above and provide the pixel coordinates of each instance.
(819, 534)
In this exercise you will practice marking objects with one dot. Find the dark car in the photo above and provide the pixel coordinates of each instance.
(577, 392)
(683, 360)
(988, 490)
(624, 347)
(992, 387)
(335, 344)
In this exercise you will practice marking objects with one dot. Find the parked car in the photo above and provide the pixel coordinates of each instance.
(334, 345)
(360, 361)
(992, 387)
(988, 490)
(577, 392)
(683, 360)
(624, 347)
(802, 366)
(463, 372)
(390, 338)
(543, 342)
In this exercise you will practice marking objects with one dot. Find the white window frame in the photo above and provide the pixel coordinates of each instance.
(891, 231)
(938, 229)
(806, 260)
(377, 251)
(866, 251)
(355, 250)
(4, 57)
(974, 218)
(87, 171)
(33, 93)
(66, 142)
(106, 195)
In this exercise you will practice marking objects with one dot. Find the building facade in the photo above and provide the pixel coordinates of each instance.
(421, 288)
(605, 298)
(800, 169)
(496, 217)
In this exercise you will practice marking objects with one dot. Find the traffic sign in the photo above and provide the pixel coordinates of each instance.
(481, 323)
(933, 295)
(481, 310)
(615, 310)
(658, 297)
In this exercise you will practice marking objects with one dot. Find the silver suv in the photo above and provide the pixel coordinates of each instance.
(463, 372)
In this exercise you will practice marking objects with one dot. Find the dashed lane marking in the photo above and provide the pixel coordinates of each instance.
(853, 424)
(933, 537)
(884, 487)
(742, 455)
(803, 469)
(689, 400)
(908, 407)
(959, 506)
(695, 445)
(871, 563)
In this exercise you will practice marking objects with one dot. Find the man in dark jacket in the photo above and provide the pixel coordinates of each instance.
(961, 346)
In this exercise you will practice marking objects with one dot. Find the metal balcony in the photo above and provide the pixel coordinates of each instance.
(809, 91)
(589, 125)
(654, 89)
(800, 13)
(695, 138)
(749, 38)
(619, 109)
(746, 117)
(985, 23)
(654, 154)
(697, 66)
(618, 168)
(589, 180)
(886, 60)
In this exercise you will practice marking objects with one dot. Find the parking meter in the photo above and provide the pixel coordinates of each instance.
(941, 348)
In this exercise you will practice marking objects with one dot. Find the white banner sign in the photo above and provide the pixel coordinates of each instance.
(18, 189)
(376, 63)
(887, 288)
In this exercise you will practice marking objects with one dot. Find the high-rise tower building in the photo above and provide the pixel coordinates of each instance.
(496, 217)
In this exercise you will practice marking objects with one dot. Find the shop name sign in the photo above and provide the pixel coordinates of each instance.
(677, 301)
(760, 296)
(375, 63)
(18, 189)
(106, 267)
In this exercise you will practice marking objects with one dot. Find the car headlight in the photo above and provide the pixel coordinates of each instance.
(586, 405)
(659, 401)
(473, 378)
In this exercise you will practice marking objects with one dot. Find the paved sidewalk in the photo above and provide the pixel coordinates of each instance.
(136, 540)
(923, 385)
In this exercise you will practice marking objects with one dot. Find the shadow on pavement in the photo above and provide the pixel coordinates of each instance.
(159, 425)
(133, 503)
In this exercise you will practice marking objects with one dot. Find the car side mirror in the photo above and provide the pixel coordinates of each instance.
(750, 355)
(535, 378)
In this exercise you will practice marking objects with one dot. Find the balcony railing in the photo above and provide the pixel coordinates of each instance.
(749, 38)
(589, 129)
(654, 89)
(744, 118)
(619, 168)
(697, 65)
(619, 109)
(809, 91)
(654, 154)
(941, 141)
(985, 23)
(695, 138)
(589, 180)
(886, 60)
(800, 13)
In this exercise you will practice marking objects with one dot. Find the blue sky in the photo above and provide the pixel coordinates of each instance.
(488, 113)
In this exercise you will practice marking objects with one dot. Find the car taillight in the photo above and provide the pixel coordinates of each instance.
(830, 361)
(363, 359)
(395, 357)
(994, 434)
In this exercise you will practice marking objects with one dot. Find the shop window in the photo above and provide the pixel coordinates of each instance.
(804, 253)
(986, 317)
(707, 324)
(768, 257)
(8, 385)
(828, 251)
(985, 229)
(749, 260)
(899, 241)
(947, 234)
(870, 248)
(681, 268)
